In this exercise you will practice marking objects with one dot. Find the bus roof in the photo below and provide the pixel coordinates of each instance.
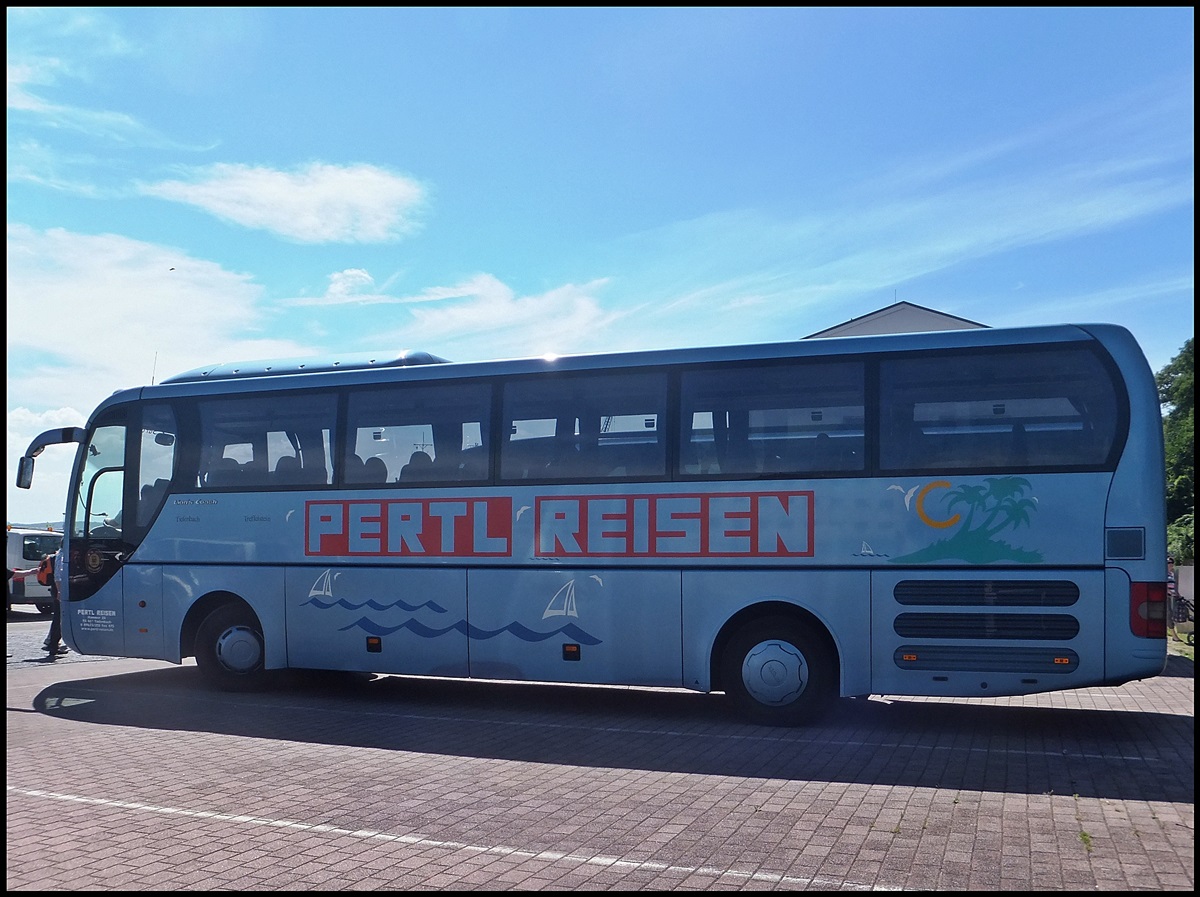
(275, 367)
(408, 365)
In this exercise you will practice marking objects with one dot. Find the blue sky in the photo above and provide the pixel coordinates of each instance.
(188, 186)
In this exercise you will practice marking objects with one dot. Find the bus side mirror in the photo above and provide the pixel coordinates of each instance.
(24, 472)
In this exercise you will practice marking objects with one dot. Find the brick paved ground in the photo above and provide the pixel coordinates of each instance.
(125, 775)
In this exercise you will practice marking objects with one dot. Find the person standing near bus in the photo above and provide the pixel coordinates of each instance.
(45, 575)
(1172, 598)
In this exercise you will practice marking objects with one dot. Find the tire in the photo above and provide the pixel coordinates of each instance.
(230, 650)
(778, 672)
(44, 608)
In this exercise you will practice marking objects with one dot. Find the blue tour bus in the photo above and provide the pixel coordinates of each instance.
(961, 513)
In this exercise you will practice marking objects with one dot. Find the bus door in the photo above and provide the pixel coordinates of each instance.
(111, 603)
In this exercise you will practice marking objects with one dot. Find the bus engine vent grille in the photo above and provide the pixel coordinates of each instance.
(1054, 627)
(987, 593)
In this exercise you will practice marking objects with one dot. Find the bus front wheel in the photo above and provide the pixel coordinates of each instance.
(229, 649)
(777, 672)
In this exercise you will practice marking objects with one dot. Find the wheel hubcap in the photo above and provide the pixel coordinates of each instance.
(239, 650)
(774, 673)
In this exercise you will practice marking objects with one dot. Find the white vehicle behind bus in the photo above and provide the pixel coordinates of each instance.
(26, 547)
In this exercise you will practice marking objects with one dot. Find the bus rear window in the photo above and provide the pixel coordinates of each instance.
(1029, 410)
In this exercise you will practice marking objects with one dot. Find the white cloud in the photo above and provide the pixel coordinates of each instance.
(89, 314)
(698, 276)
(480, 317)
(353, 286)
(484, 318)
(23, 97)
(53, 466)
(18, 95)
(317, 203)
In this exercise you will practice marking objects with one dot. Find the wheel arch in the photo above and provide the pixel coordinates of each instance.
(777, 609)
(196, 614)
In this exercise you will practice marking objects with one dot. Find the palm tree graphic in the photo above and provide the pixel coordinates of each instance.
(1002, 503)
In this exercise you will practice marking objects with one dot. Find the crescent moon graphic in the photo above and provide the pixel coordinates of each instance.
(925, 518)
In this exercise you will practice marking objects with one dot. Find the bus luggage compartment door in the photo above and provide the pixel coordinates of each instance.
(143, 611)
(409, 621)
(597, 626)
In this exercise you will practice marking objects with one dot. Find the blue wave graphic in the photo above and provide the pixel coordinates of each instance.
(375, 605)
(573, 632)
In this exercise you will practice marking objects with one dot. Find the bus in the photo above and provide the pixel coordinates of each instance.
(970, 513)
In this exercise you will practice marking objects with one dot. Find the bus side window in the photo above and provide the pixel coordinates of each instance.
(156, 459)
(780, 420)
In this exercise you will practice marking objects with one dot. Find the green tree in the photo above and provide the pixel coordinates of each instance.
(1176, 393)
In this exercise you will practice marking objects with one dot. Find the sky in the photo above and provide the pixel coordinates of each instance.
(189, 186)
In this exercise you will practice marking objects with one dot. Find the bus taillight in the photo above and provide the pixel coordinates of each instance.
(1148, 609)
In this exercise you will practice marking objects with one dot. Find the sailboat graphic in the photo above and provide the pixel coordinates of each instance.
(563, 602)
(323, 586)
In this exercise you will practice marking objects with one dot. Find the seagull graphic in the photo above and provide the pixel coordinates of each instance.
(907, 495)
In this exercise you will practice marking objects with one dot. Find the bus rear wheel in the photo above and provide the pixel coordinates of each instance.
(229, 649)
(777, 672)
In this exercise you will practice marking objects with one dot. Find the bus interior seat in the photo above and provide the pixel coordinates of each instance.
(824, 452)
(375, 470)
(288, 472)
(523, 459)
(819, 453)
(783, 456)
(355, 470)
(699, 457)
(1020, 445)
(419, 467)
(224, 472)
(473, 463)
(634, 460)
(152, 493)
(152, 496)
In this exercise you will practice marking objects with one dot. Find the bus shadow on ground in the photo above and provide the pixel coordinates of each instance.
(919, 742)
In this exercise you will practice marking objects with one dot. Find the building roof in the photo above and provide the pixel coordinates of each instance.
(900, 317)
